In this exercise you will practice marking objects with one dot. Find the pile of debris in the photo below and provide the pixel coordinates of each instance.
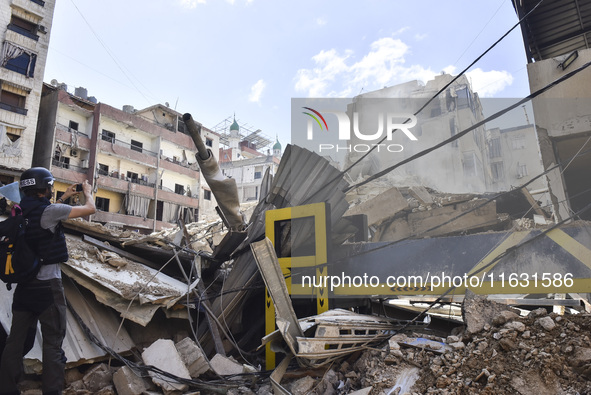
(499, 352)
(192, 308)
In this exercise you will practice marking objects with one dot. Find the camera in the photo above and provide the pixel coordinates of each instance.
(78, 187)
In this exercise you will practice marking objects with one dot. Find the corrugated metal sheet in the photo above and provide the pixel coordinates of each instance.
(555, 28)
(101, 320)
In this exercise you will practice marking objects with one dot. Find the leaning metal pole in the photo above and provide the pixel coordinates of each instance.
(223, 188)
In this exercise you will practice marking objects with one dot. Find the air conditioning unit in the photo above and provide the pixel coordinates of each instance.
(42, 29)
(73, 153)
(84, 163)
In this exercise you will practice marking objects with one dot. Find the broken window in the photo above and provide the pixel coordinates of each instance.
(494, 148)
(108, 136)
(24, 27)
(464, 100)
(133, 177)
(73, 125)
(101, 204)
(469, 164)
(208, 142)
(521, 170)
(498, 173)
(20, 61)
(12, 102)
(137, 146)
(103, 170)
(452, 128)
(179, 189)
(206, 194)
(518, 142)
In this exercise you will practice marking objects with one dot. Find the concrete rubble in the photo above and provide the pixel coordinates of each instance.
(182, 311)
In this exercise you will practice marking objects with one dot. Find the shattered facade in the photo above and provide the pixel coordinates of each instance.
(25, 27)
(142, 161)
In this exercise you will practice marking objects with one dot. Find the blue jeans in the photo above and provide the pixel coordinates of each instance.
(42, 301)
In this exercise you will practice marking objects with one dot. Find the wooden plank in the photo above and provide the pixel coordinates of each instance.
(533, 203)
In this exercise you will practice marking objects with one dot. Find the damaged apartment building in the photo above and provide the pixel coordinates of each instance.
(142, 162)
(25, 27)
(485, 160)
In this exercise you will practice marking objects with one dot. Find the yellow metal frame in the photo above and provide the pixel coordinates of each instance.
(317, 211)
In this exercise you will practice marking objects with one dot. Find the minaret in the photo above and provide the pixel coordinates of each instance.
(234, 139)
(277, 149)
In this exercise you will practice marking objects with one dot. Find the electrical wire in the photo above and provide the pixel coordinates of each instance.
(338, 178)
(469, 129)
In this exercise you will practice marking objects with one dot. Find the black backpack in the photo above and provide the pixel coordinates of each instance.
(18, 262)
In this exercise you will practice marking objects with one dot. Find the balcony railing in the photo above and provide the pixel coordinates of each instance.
(128, 145)
(23, 31)
(115, 174)
(18, 110)
(63, 165)
(70, 130)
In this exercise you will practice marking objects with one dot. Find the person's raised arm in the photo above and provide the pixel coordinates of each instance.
(88, 208)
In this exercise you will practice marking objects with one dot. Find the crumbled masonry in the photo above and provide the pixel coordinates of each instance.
(158, 314)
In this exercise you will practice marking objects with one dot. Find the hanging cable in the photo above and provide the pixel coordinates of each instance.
(337, 178)
(466, 131)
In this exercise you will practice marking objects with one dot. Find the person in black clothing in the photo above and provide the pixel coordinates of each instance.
(42, 299)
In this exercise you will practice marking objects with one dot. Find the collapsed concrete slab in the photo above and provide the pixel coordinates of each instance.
(380, 207)
(128, 383)
(164, 355)
(192, 357)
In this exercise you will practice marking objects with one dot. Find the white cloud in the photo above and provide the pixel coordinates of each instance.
(384, 64)
(320, 21)
(191, 3)
(256, 91)
(421, 36)
(488, 83)
(337, 75)
(401, 30)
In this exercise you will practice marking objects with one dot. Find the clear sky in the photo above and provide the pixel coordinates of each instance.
(214, 58)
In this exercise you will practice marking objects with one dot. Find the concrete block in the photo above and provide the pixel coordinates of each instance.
(164, 355)
(421, 194)
(128, 383)
(192, 357)
(98, 377)
(383, 206)
(225, 366)
(421, 221)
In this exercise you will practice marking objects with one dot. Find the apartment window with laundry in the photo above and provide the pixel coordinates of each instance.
(131, 176)
(206, 194)
(137, 146)
(208, 142)
(12, 102)
(22, 62)
(108, 136)
(101, 204)
(24, 27)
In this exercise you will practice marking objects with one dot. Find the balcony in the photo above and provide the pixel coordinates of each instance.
(180, 167)
(18, 110)
(23, 31)
(125, 151)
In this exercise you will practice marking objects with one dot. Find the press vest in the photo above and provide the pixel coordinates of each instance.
(50, 247)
